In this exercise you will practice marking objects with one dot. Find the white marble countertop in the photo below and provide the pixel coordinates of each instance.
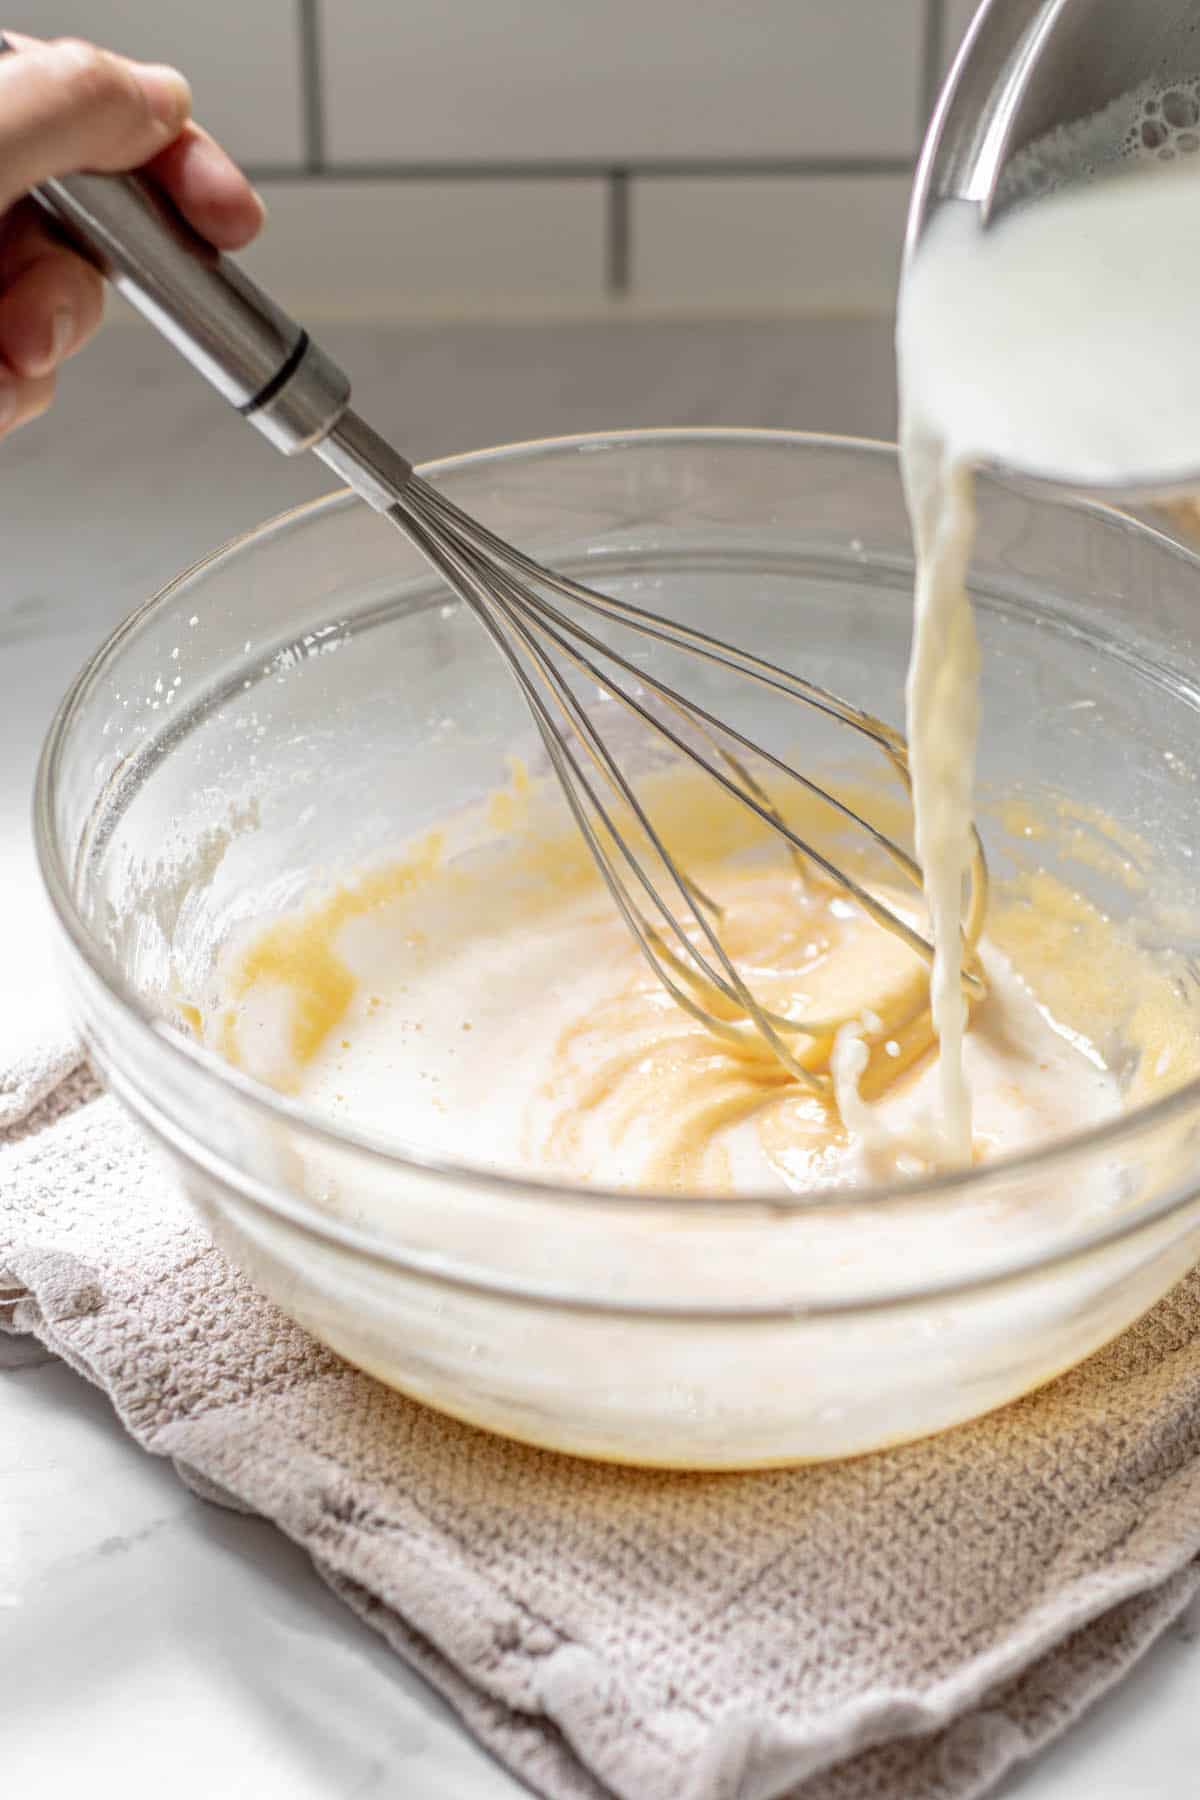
(148, 1640)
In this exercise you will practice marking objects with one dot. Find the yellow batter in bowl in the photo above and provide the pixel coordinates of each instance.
(497, 986)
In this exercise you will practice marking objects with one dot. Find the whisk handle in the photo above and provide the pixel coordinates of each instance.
(261, 360)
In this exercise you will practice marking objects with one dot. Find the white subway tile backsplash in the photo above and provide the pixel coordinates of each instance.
(394, 250)
(430, 82)
(959, 14)
(425, 81)
(243, 60)
(812, 244)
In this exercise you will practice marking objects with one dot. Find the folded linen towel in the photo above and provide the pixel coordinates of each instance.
(901, 1627)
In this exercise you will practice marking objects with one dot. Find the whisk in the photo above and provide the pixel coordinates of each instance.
(545, 626)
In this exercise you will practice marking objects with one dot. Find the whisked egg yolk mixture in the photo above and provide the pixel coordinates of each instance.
(490, 1007)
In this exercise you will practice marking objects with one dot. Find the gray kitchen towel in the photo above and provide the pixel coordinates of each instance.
(901, 1627)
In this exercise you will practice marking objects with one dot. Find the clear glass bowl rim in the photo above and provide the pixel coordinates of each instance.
(158, 1033)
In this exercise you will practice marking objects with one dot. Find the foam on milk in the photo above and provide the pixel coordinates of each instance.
(1156, 123)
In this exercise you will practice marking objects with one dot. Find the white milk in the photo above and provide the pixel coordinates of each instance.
(1061, 341)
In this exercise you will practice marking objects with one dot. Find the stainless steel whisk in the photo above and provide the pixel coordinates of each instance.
(514, 598)
(273, 373)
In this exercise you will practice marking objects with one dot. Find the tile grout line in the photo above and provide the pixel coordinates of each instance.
(619, 245)
(674, 168)
(931, 65)
(312, 87)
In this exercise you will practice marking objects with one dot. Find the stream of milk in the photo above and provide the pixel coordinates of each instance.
(1059, 341)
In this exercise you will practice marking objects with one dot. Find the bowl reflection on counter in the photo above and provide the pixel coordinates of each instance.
(308, 695)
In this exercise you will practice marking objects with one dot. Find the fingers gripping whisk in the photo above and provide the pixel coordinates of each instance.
(677, 926)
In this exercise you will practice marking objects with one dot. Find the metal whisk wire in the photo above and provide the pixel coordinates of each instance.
(501, 587)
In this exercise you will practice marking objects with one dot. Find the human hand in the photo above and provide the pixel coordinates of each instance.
(64, 107)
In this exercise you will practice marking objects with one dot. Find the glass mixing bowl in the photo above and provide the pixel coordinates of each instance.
(309, 695)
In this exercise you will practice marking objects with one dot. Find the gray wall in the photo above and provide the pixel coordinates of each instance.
(463, 157)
